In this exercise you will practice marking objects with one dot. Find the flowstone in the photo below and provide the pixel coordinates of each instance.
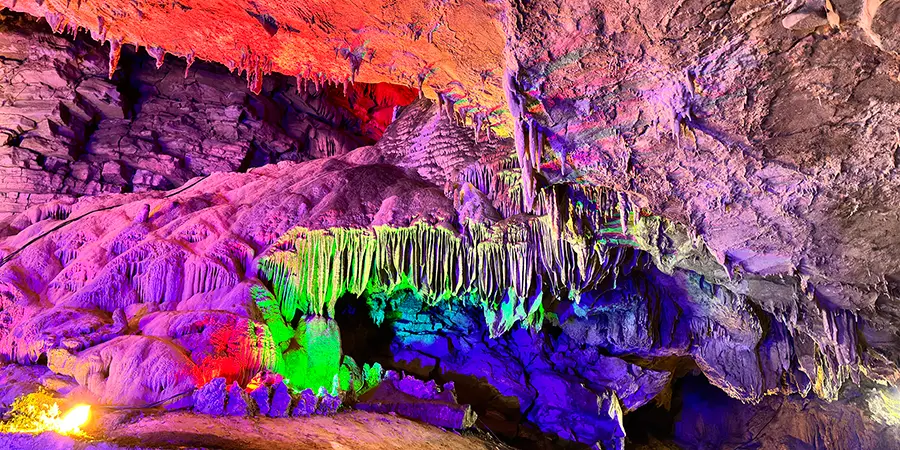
(314, 357)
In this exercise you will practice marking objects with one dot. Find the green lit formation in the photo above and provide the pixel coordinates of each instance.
(507, 267)
(316, 358)
(310, 355)
(576, 241)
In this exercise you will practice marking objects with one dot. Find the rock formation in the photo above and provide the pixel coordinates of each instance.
(563, 224)
(66, 130)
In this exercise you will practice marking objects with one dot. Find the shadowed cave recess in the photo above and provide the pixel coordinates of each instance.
(449, 224)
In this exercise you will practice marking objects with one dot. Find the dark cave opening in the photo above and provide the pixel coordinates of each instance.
(361, 338)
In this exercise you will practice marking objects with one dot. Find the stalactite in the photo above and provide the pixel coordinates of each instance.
(101, 30)
(516, 102)
(505, 268)
(159, 54)
(623, 212)
(115, 51)
(477, 122)
(420, 78)
(451, 111)
(255, 81)
(534, 144)
(56, 21)
(190, 62)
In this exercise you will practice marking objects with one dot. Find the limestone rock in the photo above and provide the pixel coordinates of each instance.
(260, 397)
(305, 404)
(239, 403)
(418, 400)
(210, 398)
(281, 401)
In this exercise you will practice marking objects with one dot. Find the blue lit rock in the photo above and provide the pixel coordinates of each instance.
(239, 403)
(418, 400)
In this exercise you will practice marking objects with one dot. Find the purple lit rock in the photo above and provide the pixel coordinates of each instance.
(571, 411)
(634, 385)
(306, 404)
(239, 403)
(260, 396)
(184, 402)
(210, 399)
(281, 400)
(418, 400)
(329, 405)
(410, 385)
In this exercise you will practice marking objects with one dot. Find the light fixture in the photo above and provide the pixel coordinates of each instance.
(72, 421)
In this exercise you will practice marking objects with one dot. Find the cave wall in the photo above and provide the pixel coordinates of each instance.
(691, 188)
(774, 139)
(68, 130)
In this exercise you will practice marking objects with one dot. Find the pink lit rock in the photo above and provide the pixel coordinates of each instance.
(128, 370)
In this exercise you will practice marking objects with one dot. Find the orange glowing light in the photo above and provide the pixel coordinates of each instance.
(72, 421)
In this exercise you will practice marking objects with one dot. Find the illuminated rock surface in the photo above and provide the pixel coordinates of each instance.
(67, 130)
(356, 429)
(637, 224)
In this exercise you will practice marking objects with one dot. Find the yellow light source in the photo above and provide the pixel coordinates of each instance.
(72, 421)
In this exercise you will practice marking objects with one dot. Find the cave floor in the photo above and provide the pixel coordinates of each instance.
(346, 430)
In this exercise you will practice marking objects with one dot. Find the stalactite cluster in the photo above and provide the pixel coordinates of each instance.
(576, 245)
